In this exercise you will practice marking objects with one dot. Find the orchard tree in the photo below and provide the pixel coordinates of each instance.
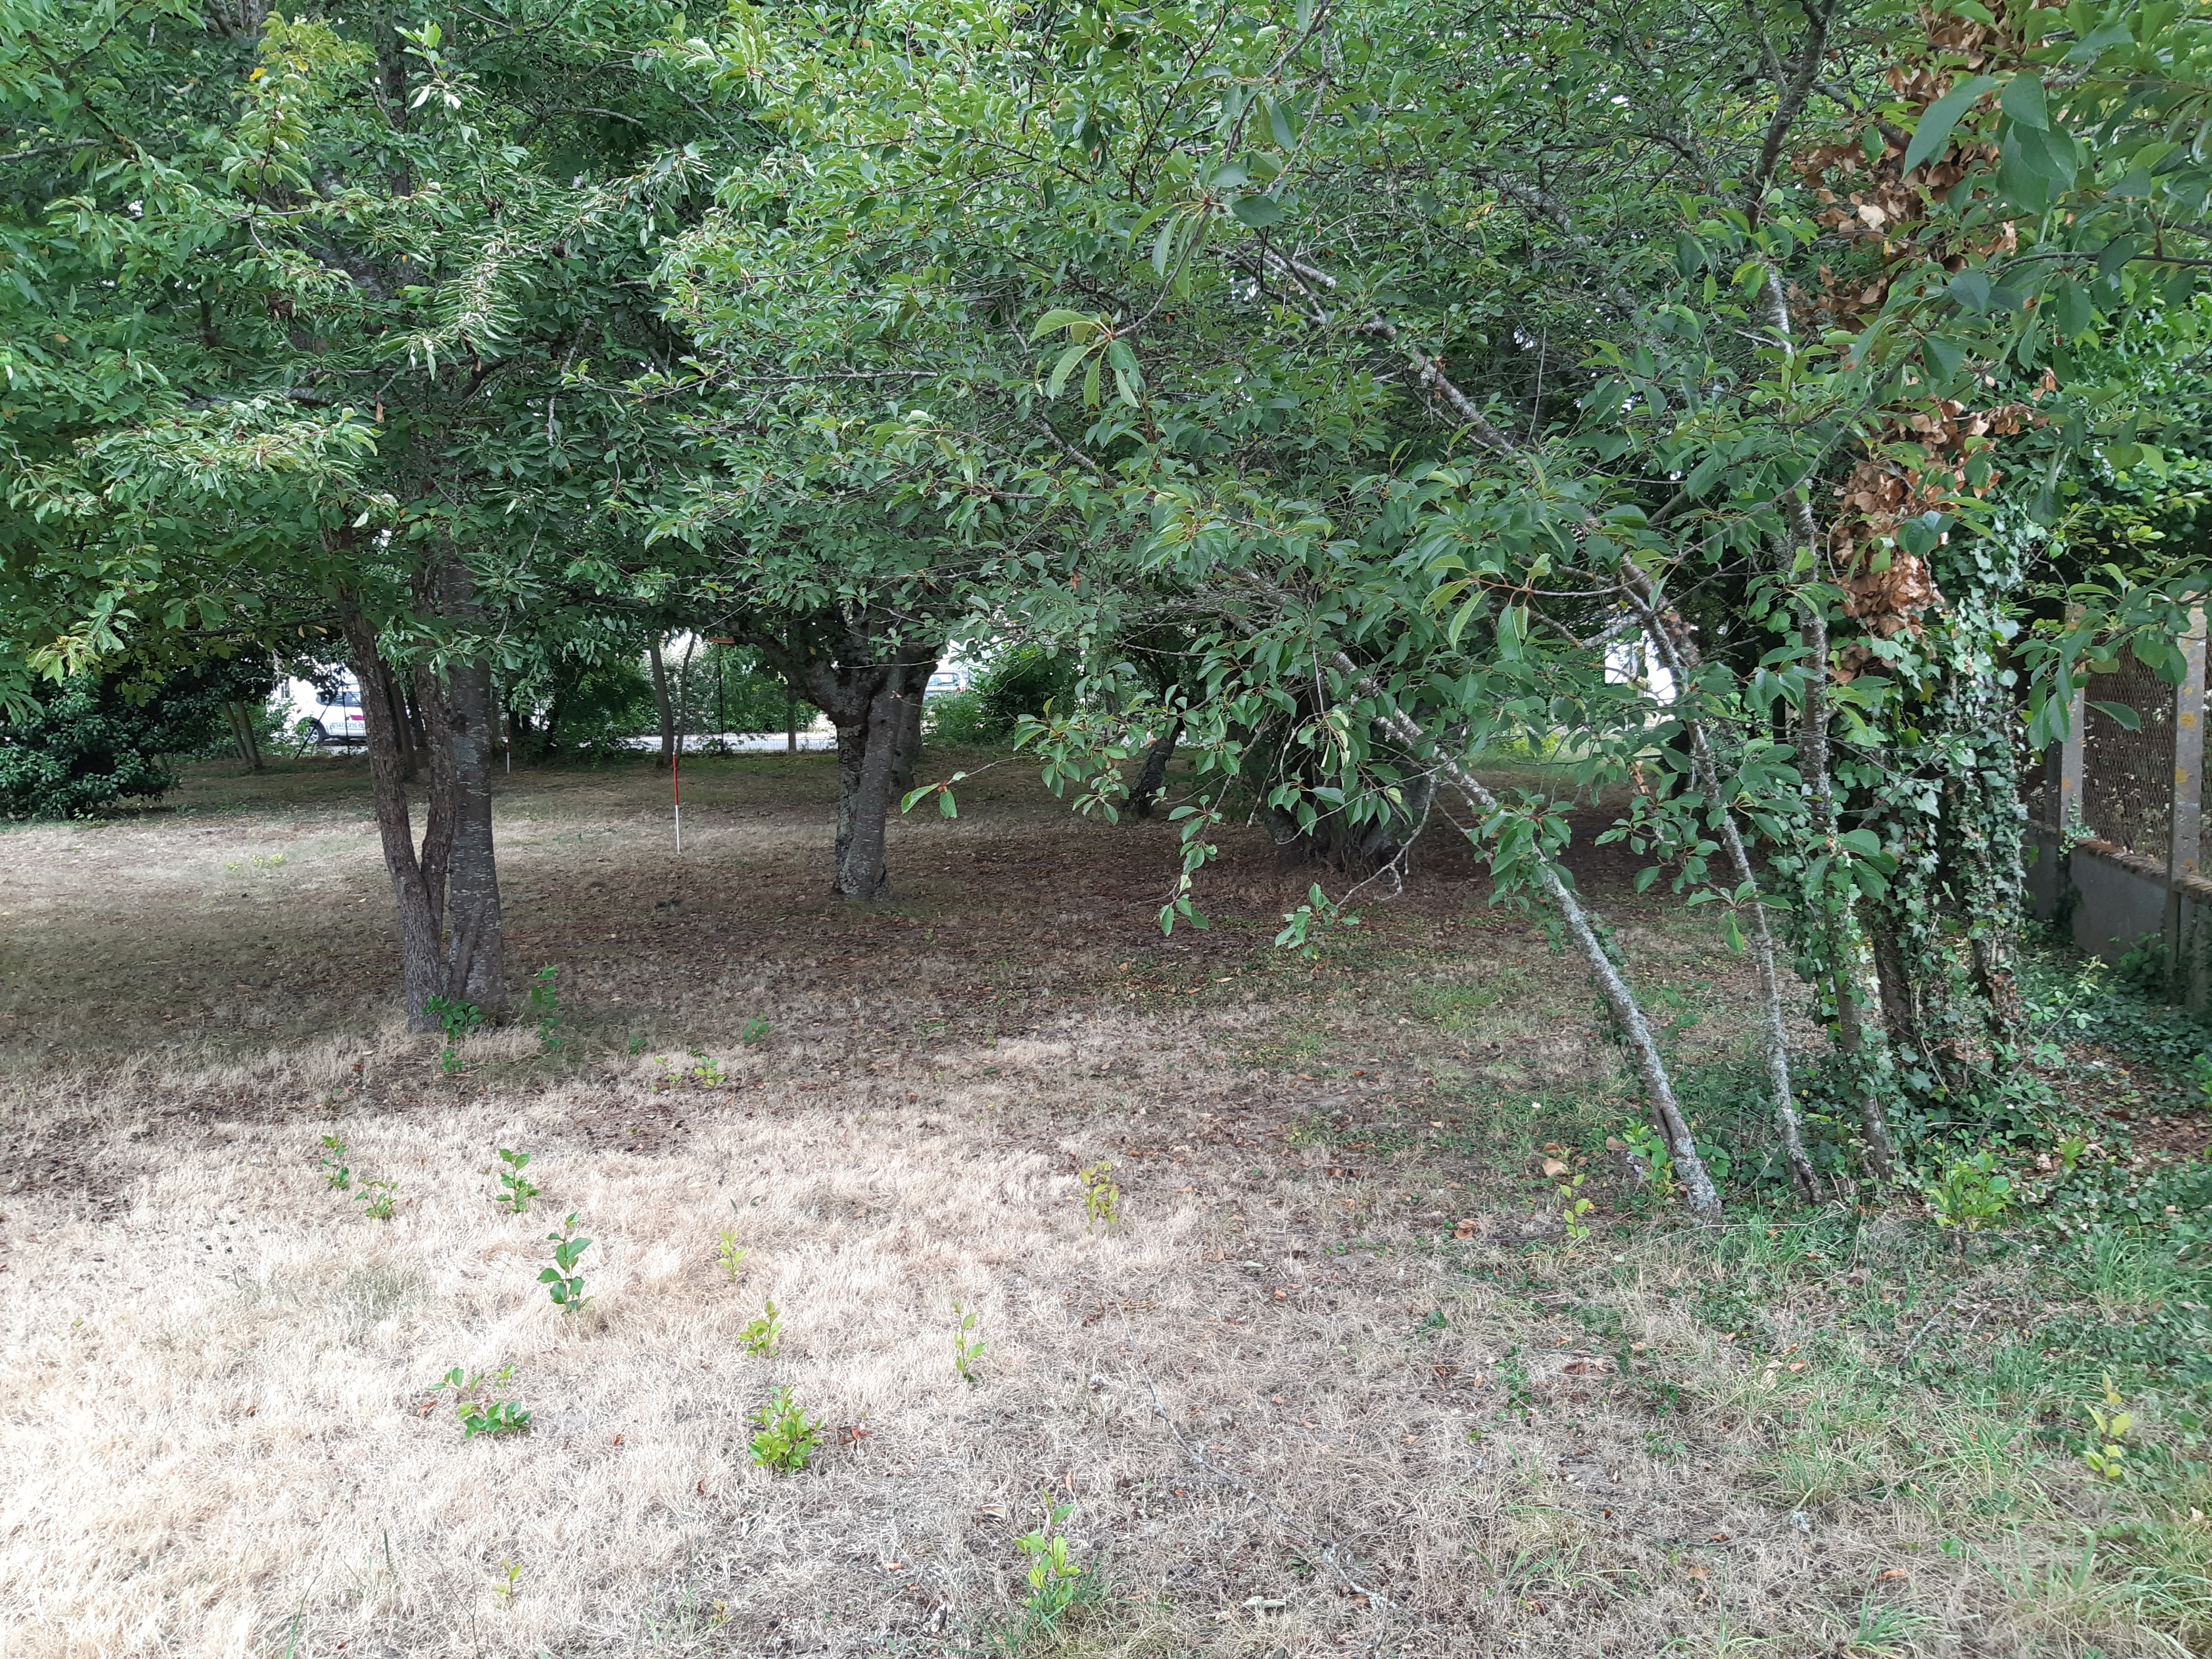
(331, 314)
(1415, 361)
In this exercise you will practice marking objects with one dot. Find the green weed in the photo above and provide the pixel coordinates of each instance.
(761, 1337)
(966, 1350)
(2106, 1454)
(457, 1019)
(1059, 1587)
(1102, 1199)
(377, 1199)
(755, 1031)
(732, 1257)
(335, 1175)
(1973, 1193)
(561, 1280)
(481, 1408)
(787, 1434)
(516, 1192)
(545, 1004)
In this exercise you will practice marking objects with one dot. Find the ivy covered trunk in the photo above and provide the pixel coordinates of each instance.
(1943, 796)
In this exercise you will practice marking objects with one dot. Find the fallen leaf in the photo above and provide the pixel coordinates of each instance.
(703, 1488)
(1553, 1166)
(1700, 1572)
(1895, 1576)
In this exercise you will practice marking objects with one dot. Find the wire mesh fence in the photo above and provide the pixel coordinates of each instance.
(2127, 777)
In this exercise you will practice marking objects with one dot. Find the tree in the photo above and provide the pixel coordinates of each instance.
(363, 273)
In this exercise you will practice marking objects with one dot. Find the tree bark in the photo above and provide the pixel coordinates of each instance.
(476, 951)
(863, 868)
(1681, 656)
(1153, 776)
(420, 914)
(451, 943)
(666, 707)
(877, 709)
(1643, 1047)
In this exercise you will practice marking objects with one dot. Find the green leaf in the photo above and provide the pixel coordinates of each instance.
(2022, 102)
(1065, 367)
(1941, 116)
(2120, 715)
(1733, 934)
(1257, 211)
(1058, 319)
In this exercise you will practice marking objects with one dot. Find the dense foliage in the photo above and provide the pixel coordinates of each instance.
(85, 743)
(1778, 410)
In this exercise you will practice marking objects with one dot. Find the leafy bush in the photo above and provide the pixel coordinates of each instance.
(599, 706)
(958, 717)
(1020, 683)
(90, 741)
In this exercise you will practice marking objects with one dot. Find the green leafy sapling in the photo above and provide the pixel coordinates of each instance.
(1055, 1582)
(2106, 1454)
(335, 1175)
(761, 1337)
(787, 1434)
(545, 1004)
(561, 1280)
(1101, 1198)
(377, 1199)
(516, 1192)
(457, 1019)
(733, 1258)
(966, 1348)
(481, 1409)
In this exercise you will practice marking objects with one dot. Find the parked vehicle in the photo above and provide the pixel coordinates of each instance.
(949, 682)
(330, 719)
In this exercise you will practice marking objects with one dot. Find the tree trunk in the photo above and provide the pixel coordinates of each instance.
(1681, 656)
(1636, 1031)
(451, 943)
(1154, 777)
(877, 709)
(421, 969)
(476, 953)
(863, 868)
(667, 708)
(909, 736)
(1836, 929)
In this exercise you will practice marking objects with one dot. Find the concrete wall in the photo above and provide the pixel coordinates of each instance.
(2112, 897)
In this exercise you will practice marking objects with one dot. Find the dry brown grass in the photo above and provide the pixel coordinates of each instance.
(1294, 1414)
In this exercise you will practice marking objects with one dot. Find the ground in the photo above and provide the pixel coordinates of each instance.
(1278, 1312)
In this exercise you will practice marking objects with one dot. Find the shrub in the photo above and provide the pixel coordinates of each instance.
(1020, 683)
(89, 742)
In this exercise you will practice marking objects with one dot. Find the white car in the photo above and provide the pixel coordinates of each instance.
(332, 720)
(949, 682)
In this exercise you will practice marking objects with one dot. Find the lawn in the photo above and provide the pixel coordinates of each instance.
(1280, 1314)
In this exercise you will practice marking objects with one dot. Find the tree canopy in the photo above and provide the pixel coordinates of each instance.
(1778, 411)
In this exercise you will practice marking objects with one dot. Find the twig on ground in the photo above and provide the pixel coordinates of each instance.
(1924, 1329)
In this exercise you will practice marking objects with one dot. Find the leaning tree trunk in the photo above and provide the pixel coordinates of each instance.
(1662, 627)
